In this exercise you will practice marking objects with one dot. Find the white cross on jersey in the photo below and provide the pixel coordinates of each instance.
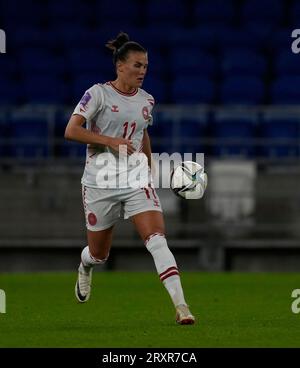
(113, 113)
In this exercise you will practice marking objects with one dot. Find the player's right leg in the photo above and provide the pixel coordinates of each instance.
(96, 253)
(101, 213)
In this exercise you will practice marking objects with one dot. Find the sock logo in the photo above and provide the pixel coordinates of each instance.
(2, 301)
(2, 42)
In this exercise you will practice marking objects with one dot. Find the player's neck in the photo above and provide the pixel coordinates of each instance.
(122, 86)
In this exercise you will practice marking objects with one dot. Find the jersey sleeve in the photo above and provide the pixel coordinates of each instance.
(151, 102)
(91, 102)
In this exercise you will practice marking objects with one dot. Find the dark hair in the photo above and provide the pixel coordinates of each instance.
(121, 46)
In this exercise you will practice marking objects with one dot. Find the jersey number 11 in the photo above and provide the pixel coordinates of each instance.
(132, 126)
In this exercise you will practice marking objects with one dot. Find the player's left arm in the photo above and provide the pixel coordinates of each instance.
(146, 138)
(146, 144)
(147, 149)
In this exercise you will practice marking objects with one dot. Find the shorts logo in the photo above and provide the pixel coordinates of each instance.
(92, 219)
(84, 101)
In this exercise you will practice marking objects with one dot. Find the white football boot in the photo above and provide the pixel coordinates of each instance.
(83, 284)
(183, 315)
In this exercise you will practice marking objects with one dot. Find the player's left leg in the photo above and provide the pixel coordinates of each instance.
(96, 253)
(150, 226)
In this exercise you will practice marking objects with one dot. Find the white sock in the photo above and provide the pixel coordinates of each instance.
(166, 267)
(88, 261)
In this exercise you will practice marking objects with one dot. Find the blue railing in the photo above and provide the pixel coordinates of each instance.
(35, 133)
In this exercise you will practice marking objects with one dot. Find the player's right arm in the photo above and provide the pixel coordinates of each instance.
(76, 132)
(91, 102)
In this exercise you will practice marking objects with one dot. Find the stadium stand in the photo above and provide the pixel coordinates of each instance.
(237, 41)
(30, 134)
(242, 61)
(225, 83)
(284, 90)
(205, 12)
(192, 89)
(235, 133)
(280, 132)
(245, 90)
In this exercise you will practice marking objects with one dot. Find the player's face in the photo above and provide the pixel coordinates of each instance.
(134, 69)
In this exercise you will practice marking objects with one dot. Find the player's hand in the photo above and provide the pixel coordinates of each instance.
(121, 145)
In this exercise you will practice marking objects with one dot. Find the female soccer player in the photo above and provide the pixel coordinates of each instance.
(117, 115)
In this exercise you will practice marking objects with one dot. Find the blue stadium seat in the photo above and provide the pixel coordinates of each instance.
(188, 60)
(10, 92)
(156, 63)
(33, 36)
(119, 14)
(63, 147)
(191, 129)
(45, 89)
(15, 14)
(89, 59)
(286, 63)
(294, 15)
(61, 12)
(248, 37)
(217, 11)
(285, 90)
(261, 33)
(242, 90)
(242, 61)
(41, 60)
(69, 35)
(4, 135)
(234, 133)
(281, 134)
(30, 132)
(201, 36)
(9, 64)
(156, 87)
(166, 12)
(189, 89)
(161, 132)
(151, 37)
(280, 40)
(267, 11)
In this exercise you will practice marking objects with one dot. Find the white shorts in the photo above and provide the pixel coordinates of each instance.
(104, 207)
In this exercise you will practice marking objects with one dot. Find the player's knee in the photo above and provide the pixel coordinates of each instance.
(155, 241)
(100, 258)
(163, 257)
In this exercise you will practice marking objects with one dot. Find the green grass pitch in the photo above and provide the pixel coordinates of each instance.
(130, 309)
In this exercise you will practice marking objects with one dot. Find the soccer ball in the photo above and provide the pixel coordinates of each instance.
(188, 180)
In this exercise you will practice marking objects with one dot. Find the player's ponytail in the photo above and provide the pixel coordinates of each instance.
(121, 47)
(116, 44)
